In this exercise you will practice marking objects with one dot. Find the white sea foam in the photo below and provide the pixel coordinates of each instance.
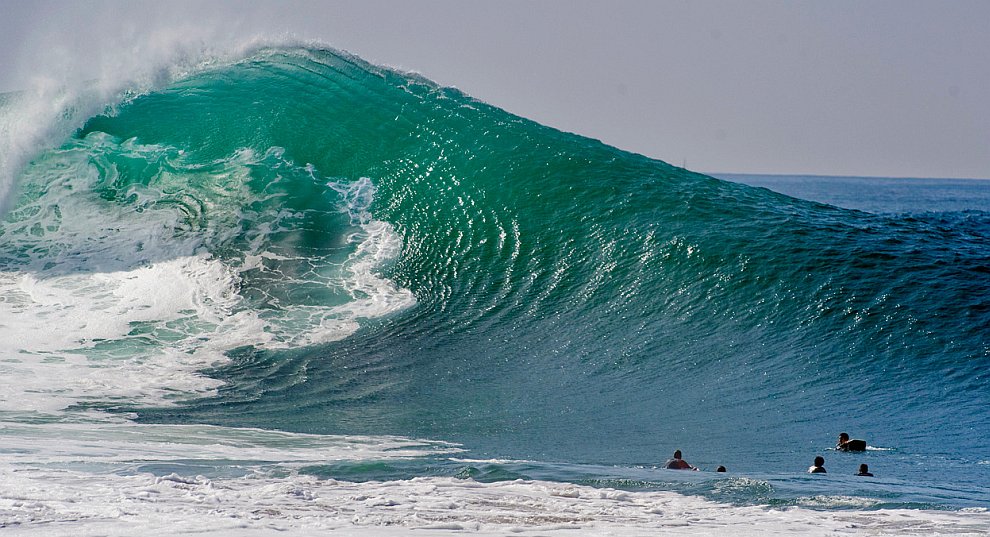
(126, 479)
(123, 479)
(102, 302)
(57, 333)
(91, 290)
(71, 500)
(377, 245)
(71, 338)
(92, 441)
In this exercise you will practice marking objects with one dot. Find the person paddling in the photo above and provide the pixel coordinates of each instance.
(677, 463)
(845, 444)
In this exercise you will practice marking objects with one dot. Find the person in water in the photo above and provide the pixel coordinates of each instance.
(819, 466)
(720, 469)
(864, 470)
(677, 463)
(845, 444)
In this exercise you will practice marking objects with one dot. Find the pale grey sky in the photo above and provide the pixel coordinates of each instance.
(838, 87)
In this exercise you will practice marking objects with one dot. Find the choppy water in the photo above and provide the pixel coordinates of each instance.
(336, 270)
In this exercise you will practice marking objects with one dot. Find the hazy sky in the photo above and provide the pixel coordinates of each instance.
(836, 87)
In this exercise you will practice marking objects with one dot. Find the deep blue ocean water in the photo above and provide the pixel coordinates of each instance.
(878, 194)
(300, 241)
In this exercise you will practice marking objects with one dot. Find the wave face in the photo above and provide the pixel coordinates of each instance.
(301, 241)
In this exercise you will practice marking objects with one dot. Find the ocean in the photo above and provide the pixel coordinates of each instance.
(292, 291)
(878, 195)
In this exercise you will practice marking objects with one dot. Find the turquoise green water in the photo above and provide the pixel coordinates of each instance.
(423, 264)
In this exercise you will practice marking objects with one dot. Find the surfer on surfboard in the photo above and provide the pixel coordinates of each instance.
(845, 444)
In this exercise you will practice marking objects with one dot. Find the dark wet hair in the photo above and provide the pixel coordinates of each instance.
(864, 468)
(677, 454)
(720, 469)
(819, 460)
(844, 436)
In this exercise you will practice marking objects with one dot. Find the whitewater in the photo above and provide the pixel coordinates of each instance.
(287, 290)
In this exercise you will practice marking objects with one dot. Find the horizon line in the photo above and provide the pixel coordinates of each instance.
(823, 175)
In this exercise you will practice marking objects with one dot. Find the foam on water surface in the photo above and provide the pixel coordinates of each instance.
(99, 478)
(123, 301)
(40, 501)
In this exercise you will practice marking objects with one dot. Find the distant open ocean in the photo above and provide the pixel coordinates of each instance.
(287, 291)
(877, 194)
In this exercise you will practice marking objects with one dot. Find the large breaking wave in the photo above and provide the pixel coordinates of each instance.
(299, 240)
